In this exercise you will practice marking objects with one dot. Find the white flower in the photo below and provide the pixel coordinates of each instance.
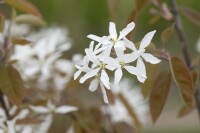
(133, 96)
(98, 68)
(94, 85)
(113, 39)
(122, 62)
(40, 61)
(146, 56)
(51, 108)
(11, 126)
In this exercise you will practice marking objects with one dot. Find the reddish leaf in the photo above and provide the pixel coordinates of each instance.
(122, 127)
(24, 5)
(183, 79)
(166, 34)
(21, 41)
(184, 111)
(11, 84)
(195, 77)
(151, 75)
(159, 93)
(192, 15)
(29, 19)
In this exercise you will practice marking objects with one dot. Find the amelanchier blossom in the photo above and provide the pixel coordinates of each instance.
(114, 53)
(49, 110)
(132, 94)
(146, 56)
(41, 60)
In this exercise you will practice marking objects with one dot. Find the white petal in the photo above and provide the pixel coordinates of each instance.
(150, 58)
(136, 72)
(128, 58)
(147, 39)
(70, 130)
(94, 37)
(126, 30)
(91, 56)
(108, 60)
(119, 49)
(39, 109)
(105, 98)
(129, 44)
(11, 126)
(107, 51)
(105, 79)
(91, 46)
(118, 76)
(100, 50)
(77, 73)
(112, 30)
(65, 109)
(22, 114)
(27, 129)
(89, 75)
(141, 66)
(112, 67)
(94, 85)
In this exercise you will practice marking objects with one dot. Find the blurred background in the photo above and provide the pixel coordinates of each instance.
(83, 17)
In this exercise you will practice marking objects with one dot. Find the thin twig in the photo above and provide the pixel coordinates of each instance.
(180, 33)
(2, 101)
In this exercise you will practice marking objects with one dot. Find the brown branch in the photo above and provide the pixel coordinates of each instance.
(180, 33)
(181, 36)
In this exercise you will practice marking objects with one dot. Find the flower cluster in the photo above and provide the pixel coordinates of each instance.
(133, 96)
(41, 61)
(111, 53)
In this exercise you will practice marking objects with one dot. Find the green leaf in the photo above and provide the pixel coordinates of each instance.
(154, 19)
(24, 5)
(192, 15)
(151, 75)
(21, 41)
(183, 79)
(159, 93)
(29, 19)
(11, 84)
(166, 34)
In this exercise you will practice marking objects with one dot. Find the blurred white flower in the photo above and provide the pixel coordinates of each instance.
(70, 130)
(42, 61)
(132, 94)
(48, 112)
(51, 108)
(11, 126)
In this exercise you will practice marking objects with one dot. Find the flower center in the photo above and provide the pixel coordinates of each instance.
(113, 40)
(102, 66)
(122, 64)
